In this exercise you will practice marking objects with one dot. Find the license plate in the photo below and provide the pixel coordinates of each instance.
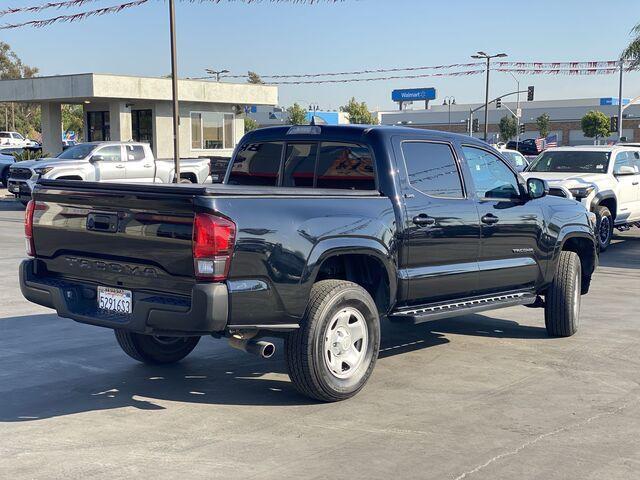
(115, 300)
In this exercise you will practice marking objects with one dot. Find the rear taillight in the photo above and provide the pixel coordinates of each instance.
(213, 240)
(28, 228)
(29, 213)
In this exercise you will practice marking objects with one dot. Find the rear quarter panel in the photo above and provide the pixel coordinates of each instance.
(280, 243)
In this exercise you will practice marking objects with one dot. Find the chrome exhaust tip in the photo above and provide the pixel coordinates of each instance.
(260, 348)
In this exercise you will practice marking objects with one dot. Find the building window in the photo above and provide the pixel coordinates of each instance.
(211, 130)
(98, 127)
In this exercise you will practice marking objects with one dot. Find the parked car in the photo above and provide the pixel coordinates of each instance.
(6, 160)
(516, 159)
(14, 139)
(526, 147)
(103, 162)
(316, 233)
(605, 179)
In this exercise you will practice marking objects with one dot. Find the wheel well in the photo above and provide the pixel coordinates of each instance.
(610, 203)
(69, 177)
(586, 252)
(365, 270)
(190, 176)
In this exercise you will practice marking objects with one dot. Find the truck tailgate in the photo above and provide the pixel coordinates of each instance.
(124, 235)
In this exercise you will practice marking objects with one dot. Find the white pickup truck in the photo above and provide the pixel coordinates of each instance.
(605, 179)
(14, 139)
(104, 162)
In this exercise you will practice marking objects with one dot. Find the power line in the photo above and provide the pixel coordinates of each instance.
(76, 16)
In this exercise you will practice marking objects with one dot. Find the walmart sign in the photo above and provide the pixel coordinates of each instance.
(413, 94)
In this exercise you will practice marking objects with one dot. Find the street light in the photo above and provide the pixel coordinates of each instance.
(518, 113)
(217, 73)
(488, 58)
(449, 100)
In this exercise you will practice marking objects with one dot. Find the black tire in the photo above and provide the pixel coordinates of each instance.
(305, 348)
(155, 350)
(562, 300)
(4, 178)
(604, 226)
(185, 180)
(23, 201)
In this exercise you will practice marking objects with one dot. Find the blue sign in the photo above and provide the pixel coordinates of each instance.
(613, 101)
(332, 118)
(412, 94)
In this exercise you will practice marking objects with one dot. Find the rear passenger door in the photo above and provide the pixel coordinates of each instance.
(440, 243)
(138, 167)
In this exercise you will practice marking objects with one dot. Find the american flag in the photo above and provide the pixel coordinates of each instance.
(550, 142)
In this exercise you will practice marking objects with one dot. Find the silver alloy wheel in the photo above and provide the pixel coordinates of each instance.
(345, 342)
(604, 231)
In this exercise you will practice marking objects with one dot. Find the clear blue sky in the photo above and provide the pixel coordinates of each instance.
(289, 38)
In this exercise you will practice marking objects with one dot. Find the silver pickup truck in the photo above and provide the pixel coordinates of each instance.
(104, 162)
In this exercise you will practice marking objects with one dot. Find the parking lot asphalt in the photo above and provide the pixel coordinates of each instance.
(478, 397)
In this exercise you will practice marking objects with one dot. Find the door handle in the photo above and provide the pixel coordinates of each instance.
(634, 183)
(148, 165)
(423, 219)
(489, 219)
(119, 166)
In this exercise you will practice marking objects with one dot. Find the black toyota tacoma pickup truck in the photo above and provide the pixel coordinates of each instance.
(317, 233)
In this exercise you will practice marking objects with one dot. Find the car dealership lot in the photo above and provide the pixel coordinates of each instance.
(482, 396)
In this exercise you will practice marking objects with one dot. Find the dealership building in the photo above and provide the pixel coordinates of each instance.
(565, 117)
(125, 108)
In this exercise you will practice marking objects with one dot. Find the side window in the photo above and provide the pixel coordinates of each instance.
(432, 169)
(18, 136)
(626, 159)
(299, 165)
(345, 166)
(134, 152)
(257, 164)
(491, 177)
(111, 153)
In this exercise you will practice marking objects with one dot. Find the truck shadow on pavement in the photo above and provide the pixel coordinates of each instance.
(83, 370)
(623, 252)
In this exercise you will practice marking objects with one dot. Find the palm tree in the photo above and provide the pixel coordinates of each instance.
(632, 52)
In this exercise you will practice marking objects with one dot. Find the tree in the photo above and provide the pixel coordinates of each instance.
(544, 124)
(73, 119)
(508, 127)
(359, 113)
(24, 118)
(253, 77)
(595, 124)
(250, 124)
(632, 52)
(297, 115)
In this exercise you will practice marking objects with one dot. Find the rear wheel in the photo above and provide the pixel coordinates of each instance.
(155, 349)
(604, 227)
(333, 353)
(562, 302)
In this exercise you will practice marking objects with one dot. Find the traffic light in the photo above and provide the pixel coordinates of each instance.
(467, 125)
(498, 102)
(530, 91)
(521, 128)
(476, 125)
(613, 127)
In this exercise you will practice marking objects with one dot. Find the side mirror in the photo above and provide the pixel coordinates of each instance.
(96, 158)
(626, 170)
(537, 188)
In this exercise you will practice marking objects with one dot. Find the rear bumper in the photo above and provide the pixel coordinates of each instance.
(204, 313)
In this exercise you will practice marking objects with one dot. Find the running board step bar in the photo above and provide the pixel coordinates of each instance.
(462, 307)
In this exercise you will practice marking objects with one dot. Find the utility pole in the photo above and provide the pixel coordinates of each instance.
(620, 102)
(488, 58)
(518, 112)
(174, 89)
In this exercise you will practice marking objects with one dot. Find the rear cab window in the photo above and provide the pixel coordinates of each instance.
(304, 164)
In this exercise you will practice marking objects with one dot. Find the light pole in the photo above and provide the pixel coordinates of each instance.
(174, 91)
(488, 58)
(620, 102)
(517, 108)
(449, 100)
(217, 73)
